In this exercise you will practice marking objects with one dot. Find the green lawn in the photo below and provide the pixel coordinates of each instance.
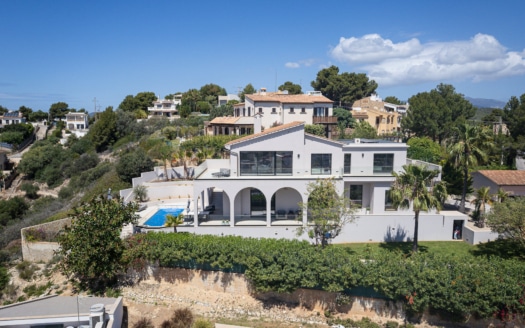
(499, 248)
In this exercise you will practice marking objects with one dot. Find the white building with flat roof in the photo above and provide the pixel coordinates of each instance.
(257, 191)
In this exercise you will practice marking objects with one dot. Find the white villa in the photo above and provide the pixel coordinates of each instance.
(165, 107)
(257, 191)
(277, 108)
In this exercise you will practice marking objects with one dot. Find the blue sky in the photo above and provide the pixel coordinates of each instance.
(74, 51)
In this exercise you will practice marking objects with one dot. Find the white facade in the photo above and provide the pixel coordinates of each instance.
(77, 121)
(12, 117)
(165, 107)
(282, 108)
(257, 191)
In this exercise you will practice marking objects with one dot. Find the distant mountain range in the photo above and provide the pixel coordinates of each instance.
(486, 103)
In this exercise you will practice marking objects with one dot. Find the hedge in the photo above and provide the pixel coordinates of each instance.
(452, 286)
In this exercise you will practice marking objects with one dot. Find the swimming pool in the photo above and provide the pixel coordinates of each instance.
(159, 218)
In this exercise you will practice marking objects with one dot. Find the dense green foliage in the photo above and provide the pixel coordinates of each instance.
(315, 129)
(364, 130)
(435, 114)
(132, 164)
(58, 110)
(91, 248)
(344, 88)
(292, 88)
(223, 110)
(449, 284)
(424, 149)
(12, 209)
(507, 219)
(15, 134)
(4, 278)
(104, 132)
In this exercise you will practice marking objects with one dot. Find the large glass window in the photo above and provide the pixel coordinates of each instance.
(321, 164)
(356, 195)
(383, 163)
(266, 162)
(348, 160)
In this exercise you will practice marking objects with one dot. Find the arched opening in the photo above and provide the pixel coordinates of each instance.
(250, 207)
(286, 208)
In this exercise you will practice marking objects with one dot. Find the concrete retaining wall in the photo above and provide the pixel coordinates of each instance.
(36, 251)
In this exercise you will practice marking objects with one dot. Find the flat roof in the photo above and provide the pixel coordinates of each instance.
(55, 306)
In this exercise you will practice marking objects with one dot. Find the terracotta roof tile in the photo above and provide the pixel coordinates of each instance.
(505, 177)
(284, 98)
(224, 120)
(266, 132)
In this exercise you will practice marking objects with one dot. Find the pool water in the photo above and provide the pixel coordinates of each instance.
(159, 218)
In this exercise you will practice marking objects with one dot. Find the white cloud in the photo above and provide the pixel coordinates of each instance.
(388, 63)
(298, 64)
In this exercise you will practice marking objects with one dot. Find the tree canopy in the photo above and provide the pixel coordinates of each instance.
(58, 110)
(507, 219)
(344, 88)
(364, 130)
(248, 89)
(435, 114)
(424, 149)
(327, 211)
(469, 147)
(104, 132)
(139, 103)
(91, 248)
(292, 88)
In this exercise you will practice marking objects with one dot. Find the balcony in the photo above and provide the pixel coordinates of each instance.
(324, 120)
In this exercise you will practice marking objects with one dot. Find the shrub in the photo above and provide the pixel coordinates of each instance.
(36, 290)
(144, 323)
(30, 189)
(26, 270)
(65, 192)
(181, 318)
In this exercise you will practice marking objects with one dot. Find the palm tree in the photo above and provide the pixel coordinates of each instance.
(483, 197)
(174, 221)
(502, 195)
(416, 187)
(469, 148)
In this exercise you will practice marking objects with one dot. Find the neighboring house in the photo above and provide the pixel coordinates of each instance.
(384, 117)
(223, 100)
(510, 181)
(276, 108)
(229, 125)
(165, 107)
(64, 311)
(257, 191)
(77, 121)
(12, 117)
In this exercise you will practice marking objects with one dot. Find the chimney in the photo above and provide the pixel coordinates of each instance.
(257, 125)
(263, 91)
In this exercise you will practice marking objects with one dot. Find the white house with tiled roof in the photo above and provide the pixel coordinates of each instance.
(511, 181)
(276, 108)
(257, 191)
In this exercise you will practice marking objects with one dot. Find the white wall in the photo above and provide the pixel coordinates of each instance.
(366, 228)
